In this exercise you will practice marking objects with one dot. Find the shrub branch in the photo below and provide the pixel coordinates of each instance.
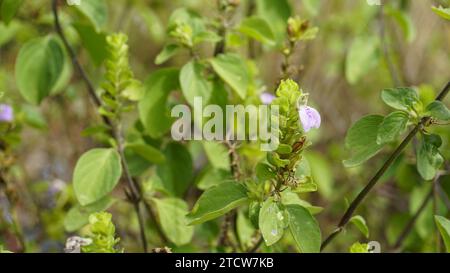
(372, 182)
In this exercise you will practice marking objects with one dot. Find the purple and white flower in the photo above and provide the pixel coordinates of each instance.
(266, 98)
(6, 113)
(309, 117)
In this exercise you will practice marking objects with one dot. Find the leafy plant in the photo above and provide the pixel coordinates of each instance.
(89, 123)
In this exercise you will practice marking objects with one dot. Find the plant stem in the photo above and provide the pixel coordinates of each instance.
(372, 182)
(134, 192)
(76, 63)
(251, 43)
(230, 219)
(286, 65)
(256, 246)
(435, 187)
(157, 226)
(234, 157)
(410, 225)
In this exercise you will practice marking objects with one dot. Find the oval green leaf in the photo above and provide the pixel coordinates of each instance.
(258, 29)
(233, 71)
(361, 139)
(444, 228)
(177, 172)
(39, 66)
(153, 111)
(172, 216)
(96, 174)
(304, 228)
(193, 83)
(217, 201)
(272, 221)
(392, 127)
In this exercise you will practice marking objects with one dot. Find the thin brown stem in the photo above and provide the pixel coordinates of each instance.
(410, 225)
(256, 246)
(134, 190)
(230, 219)
(76, 63)
(435, 187)
(133, 193)
(372, 182)
(157, 226)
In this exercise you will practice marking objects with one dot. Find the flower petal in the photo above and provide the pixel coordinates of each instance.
(309, 117)
(6, 113)
(266, 98)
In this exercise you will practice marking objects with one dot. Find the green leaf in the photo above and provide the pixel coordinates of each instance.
(177, 173)
(94, 42)
(9, 9)
(274, 159)
(217, 154)
(8, 32)
(321, 172)
(258, 29)
(253, 213)
(404, 21)
(78, 216)
(39, 67)
(361, 139)
(360, 223)
(361, 58)
(304, 228)
(193, 82)
(444, 228)
(307, 186)
(188, 17)
(303, 169)
(402, 98)
(272, 221)
(429, 160)
(207, 36)
(65, 75)
(264, 172)
(96, 12)
(291, 198)
(96, 174)
(217, 201)
(438, 110)
(153, 110)
(277, 13)
(147, 152)
(441, 11)
(166, 53)
(210, 177)
(233, 70)
(359, 248)
(172, 216)
(245, 229)
(284, 149)
(392, 127)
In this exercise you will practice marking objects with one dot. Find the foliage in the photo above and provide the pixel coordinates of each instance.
(102, 232)
(354, 91)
